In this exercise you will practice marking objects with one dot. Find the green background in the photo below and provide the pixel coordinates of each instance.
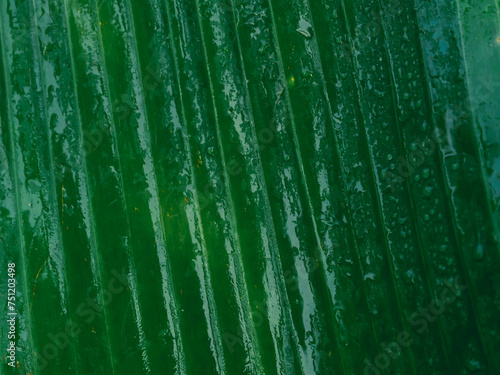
(251, 186)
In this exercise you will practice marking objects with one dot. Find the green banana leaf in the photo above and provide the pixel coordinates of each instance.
(249, 187)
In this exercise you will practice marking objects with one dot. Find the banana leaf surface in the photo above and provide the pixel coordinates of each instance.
(198, 187)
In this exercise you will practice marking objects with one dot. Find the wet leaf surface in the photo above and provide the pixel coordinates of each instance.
(250, 187)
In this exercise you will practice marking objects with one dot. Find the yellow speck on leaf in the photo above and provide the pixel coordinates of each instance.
(36, 279)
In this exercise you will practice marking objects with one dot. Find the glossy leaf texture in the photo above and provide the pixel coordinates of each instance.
(250, 186)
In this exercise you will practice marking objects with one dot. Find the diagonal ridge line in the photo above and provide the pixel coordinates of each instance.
(17, 198)
(171, 318)
(133, 286)
(242, 308)
(275, 257)
(449, 203)
(38, 60)
(81, 151)
(295, 141)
